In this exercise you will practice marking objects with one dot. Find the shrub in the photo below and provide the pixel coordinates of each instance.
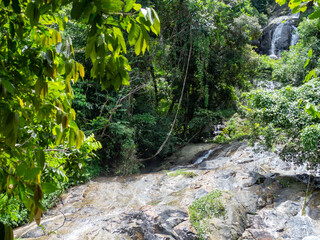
(237, 128)
(281, 117)
(203, 209)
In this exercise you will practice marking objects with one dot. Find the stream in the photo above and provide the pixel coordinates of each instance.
(265, 198)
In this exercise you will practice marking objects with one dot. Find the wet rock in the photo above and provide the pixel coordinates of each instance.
(185, 231)
(263, 197)
(311, 238)
(171, 217)
(289, 207)
(261, 202)
(314, 205)
(189, 153)
(214, 164)
(35, 233)
(156, 223)
(199, 194)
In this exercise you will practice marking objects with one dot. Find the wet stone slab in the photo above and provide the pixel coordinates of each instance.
(264, 198)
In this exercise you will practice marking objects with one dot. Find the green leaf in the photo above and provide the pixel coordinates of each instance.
(129, 5)
(311, 74)
(145, 41)
(136, 7)
(138, 44)
(8, 85)
(150, 15)
(48, 188)
(134, 33)
(40, 158)
(144, 13)
(49, 57)
(11, 128)
(295, 3)
(32, 173)
(281, 2)
(156, 23)
(303, 8)
(111, 5)
(80, 138)
(310, 53)
(21, 170)
(315, 14)
(120, 38)
(33, 13)
(73, 136)
(307, 62)
(65, 121)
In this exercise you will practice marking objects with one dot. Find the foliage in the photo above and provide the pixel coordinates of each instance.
(292, 67)
(38, 136)
(121, 142)
(264, 6)
(236, 129)
(203, 209)
(217, 34)
(13, 213)
(289, 117)
(135, 120)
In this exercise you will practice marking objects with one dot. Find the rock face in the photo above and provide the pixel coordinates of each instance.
(264, 198)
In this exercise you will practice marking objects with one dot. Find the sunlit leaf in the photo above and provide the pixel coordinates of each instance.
(136, 7)
(48, 187)
(129, 5)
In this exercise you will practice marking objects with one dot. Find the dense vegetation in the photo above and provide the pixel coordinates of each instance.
(288, 118)
(41, 145)
(205, 208)
(101, 91)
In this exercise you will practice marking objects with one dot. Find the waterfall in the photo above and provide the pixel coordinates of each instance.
(284, 34)
(201, 159)
(274, 52)
(294, 36)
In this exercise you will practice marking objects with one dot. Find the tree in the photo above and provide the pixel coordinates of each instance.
(219, 34)
(37, 70)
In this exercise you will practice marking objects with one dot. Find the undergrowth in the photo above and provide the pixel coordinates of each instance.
(203, 209)
(183, 173)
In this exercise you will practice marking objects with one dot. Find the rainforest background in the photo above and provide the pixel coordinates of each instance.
(96, 87)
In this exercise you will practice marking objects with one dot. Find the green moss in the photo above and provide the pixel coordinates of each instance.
(183, 173)
(205, 208)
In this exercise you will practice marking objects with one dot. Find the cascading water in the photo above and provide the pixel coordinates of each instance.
(294, 36)
(201, 159)
(274, 51)
(284, 35)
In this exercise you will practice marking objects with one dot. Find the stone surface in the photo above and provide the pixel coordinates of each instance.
(264, 198)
